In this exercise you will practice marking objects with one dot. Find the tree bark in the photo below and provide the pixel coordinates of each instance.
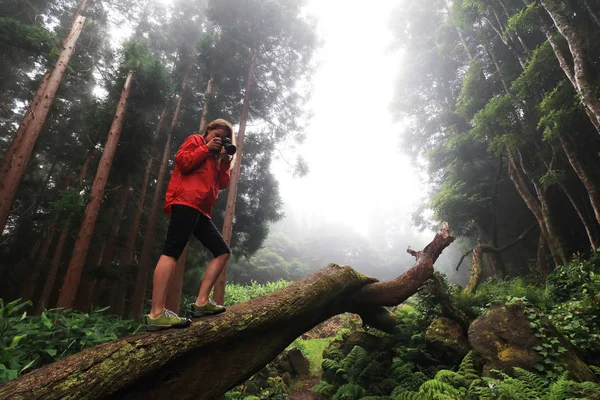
(9, 154)
(583, 77)
(541, 257)
(227, 349)
(593, 14)
(53, 271)
(71, 282)
(575, 162)
(139, 294)
(582, 218)
(209, 92)
(33, 124)
(111, 240)
(219, 293)
(120, 289)
(476, 271)
(531, 202)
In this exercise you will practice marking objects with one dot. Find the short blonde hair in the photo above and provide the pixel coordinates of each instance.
(220, 124)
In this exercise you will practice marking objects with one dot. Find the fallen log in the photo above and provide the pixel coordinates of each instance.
(217, 353)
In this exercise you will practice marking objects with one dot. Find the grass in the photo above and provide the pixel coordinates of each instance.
(313, 350)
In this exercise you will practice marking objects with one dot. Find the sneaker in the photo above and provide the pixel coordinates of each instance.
(168, 319)
(209, 308)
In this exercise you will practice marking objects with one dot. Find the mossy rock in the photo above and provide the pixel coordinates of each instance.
(365, 340)
(504, 338)
(446, 340)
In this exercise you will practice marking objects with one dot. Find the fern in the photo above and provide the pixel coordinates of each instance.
(452, 378)
(386, 386)
(410, 396)
(369, 374)
(559, 390)
(354, 363)
(330, 364)
(434, 387)
(349, 391)
(324, 388)
(533, 381)
(467, 367)
(595, 370)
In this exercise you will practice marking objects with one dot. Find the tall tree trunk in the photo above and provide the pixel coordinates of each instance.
(53, 271)
(583, 77)
(209, 92)
(33, 124)
(9, 154)
(532, 203)
(120, 289)
(30, 283)
(219, 293)
(71, 282)
(593, 14)
(476, 270)
(563, 59)
(539, 207)
(541, 257)
(586, 225)
(572, 155)
(139, 294)
(227, 349)
(84, 168)
(111, 240)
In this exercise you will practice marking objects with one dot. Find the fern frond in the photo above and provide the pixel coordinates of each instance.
(385, 387)
(452, 378)
(410, 396)
(595, 370)
(433, 387)
(467, 367)
(324, 388)
(330, 364)
(533, 381)
(559, 390)
(349, 391)
(369, 374)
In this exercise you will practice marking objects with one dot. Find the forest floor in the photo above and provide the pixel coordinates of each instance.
(303, 389)
(314, 342)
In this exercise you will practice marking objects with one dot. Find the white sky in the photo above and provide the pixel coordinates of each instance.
(352, 144)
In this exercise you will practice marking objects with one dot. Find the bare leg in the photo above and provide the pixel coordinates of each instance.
(162, 278)
(213, 270)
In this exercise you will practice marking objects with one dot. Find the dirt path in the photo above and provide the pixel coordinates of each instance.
(303, 390)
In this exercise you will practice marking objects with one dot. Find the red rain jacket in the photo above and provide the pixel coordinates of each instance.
(197, 177)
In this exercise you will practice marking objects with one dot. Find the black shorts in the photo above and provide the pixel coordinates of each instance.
(187, 220)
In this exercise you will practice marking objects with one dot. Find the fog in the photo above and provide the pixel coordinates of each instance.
(359, 179)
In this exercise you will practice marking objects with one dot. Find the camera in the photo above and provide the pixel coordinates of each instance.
(229, 147)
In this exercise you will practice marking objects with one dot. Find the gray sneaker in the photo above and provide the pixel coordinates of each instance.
(167, 319)
(209, 308)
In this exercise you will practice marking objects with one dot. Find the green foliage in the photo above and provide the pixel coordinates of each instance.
(498, 291)
(29, 342)
(33, 38)
(576, 280)
(237, 293)
(525, 385)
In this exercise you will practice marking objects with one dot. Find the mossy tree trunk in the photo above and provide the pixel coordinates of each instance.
(217, 353)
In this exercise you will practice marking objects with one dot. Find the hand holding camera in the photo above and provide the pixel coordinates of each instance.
(215, 144)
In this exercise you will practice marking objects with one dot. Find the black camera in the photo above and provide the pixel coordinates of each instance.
(229, 147)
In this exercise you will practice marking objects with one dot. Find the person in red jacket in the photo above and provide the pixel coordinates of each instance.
(201, 170)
